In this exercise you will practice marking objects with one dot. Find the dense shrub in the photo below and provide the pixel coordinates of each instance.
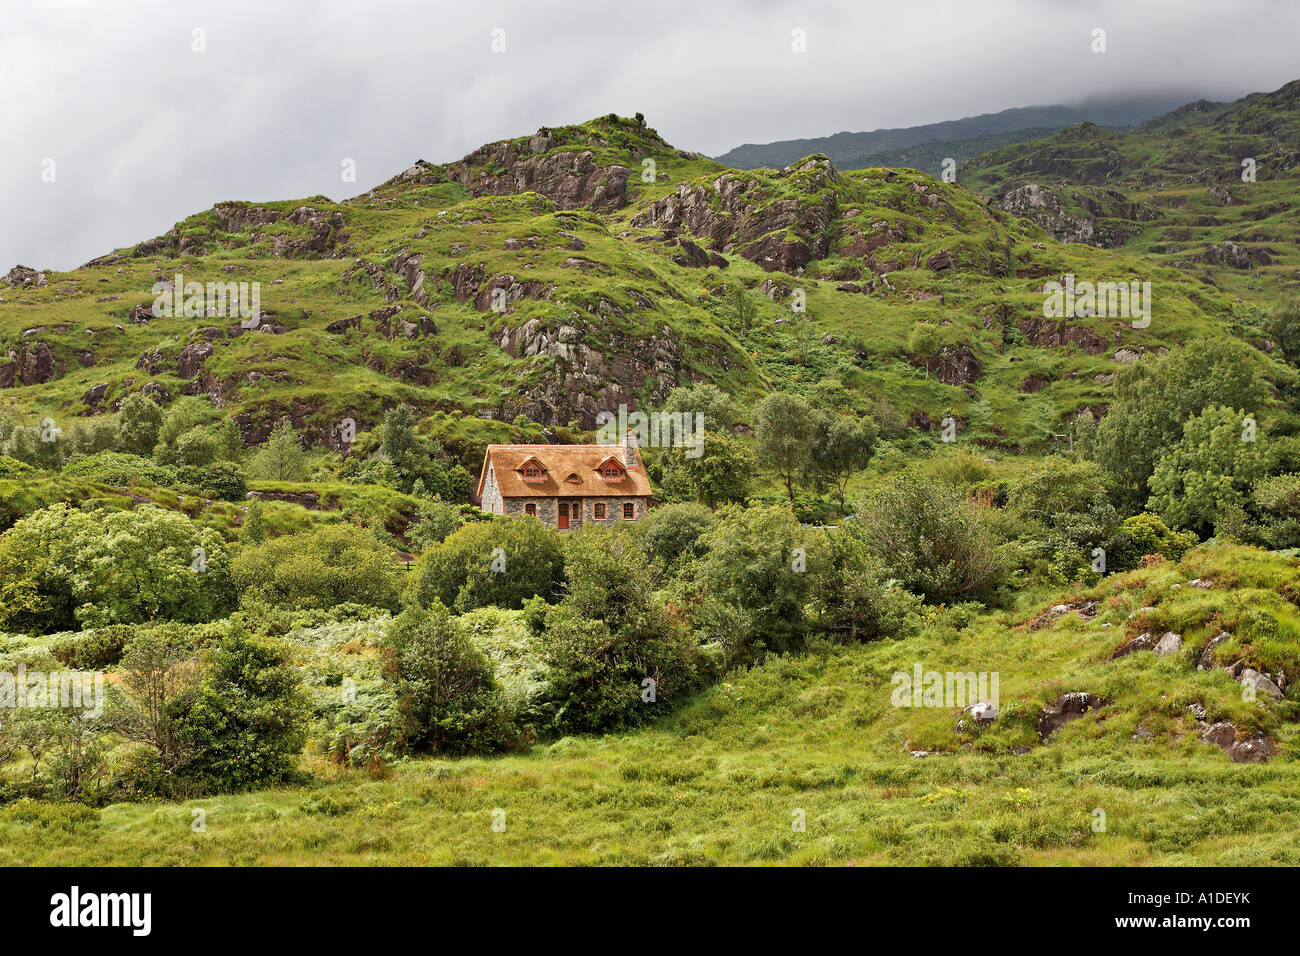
(852, 596)
(221, 479)
(671, 534)
(934, 540)
(1146, 534)
(615, 656)
(501, 563)
(334, 564)
(94, 650)
(755, 565)
(447, 693)
(244, 724)
(61, 564)
(119, 468)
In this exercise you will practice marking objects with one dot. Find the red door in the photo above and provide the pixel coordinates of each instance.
(564, 515)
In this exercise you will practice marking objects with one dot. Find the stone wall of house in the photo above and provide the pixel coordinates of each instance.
(491, 500)
(548, 509)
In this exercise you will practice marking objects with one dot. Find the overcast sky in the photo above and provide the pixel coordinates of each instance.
(144, 131)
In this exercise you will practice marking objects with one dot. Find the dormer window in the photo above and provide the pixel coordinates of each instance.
(532, 470)
(612, 470)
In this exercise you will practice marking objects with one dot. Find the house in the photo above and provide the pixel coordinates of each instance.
(565, 486)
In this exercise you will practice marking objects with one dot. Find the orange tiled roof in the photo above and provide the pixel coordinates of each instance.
(567, 470)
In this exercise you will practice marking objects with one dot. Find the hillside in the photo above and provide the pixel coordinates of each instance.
(561, 274)
(1171, 189)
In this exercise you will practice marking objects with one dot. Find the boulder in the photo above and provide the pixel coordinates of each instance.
(1068, 707)
(1254, 749)
(1169, 644)
(1143, 642)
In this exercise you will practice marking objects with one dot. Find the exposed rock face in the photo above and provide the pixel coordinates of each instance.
(1043, 333)
(1168, 645)
(733, 214)
(22, 277)
(1045, 207)
(1068, 707)
(33, 364)
(569, 178)
(1228, 253)
(590, 379)
(95, 395)
(192, 357)
(956, 364)
(1143, 642)
(1256, 749)
(1207, 655)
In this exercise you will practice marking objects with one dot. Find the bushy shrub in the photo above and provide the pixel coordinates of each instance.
(671, 534)
(501, 563)
(321, 568)
(615, 656)
(221, 479)
(94, 650)
(1146, 534)
(244, 725)
(934, 540)
(852, 596)
(119, 468)
(448, 695)
(111, 567)
(755, 560)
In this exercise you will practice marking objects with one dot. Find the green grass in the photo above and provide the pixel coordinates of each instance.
(720, 780)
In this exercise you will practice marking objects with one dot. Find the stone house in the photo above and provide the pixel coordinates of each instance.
(565, 486)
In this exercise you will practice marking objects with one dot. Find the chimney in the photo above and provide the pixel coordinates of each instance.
(629, 450)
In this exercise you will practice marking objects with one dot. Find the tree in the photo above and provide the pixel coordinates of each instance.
(118, 567)
(281, 457)
(184, 415)
(320, 568)
(783, 436)
(447, 691)
(254, 530)
(244, 724)
(1154, 399)
(1284, 327)
(842, 444)
(720, 474)
(852, 596)
(138, 423)
(671, 534)
(615, 656)
(742, 310)
(436, 521)
(706, 399)
(1208, 473)
(156, 671)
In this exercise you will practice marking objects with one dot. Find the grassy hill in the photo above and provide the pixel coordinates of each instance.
(558, 275)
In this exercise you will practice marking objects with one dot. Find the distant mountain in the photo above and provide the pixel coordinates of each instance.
(861, 150)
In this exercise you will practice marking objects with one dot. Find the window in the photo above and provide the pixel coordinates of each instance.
(530, 509)
(611, 471)
(532, 473)
(629, 510)
(598, 510)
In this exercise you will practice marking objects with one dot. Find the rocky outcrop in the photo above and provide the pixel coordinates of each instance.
(1046, 333)
(192, 357)
(1046, 207)
(734, 214)
(955, 364)
(1254, 749)
(32, 364)
(592, 374)
(570, 178)
(1067, 707)
(22, 277)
